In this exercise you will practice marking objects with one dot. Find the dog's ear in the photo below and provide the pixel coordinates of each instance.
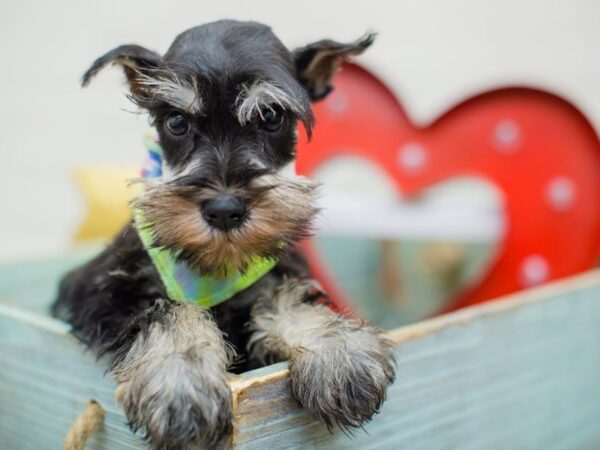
(134, 59)
(317, 62)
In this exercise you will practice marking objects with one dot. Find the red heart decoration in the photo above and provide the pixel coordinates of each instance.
(536, 148)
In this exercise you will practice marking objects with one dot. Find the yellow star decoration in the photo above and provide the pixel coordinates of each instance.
(107, 192)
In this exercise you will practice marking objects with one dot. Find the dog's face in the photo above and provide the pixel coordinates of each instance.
(226, 99)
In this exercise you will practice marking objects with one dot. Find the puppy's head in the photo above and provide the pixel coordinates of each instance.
(226, 99)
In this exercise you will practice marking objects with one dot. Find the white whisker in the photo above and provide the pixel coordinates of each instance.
(260, 95)
(179, 93)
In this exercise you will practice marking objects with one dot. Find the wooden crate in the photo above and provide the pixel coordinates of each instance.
(520, 373)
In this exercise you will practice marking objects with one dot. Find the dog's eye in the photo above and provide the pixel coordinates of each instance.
(271, 119)
(177, 124)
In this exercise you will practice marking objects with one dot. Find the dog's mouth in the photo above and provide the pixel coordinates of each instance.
(216, 229)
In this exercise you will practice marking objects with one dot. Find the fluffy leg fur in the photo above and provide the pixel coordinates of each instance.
(171, 382)
(169, 359)
(339, 368)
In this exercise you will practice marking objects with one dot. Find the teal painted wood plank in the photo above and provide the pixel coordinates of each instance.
(32, 284)
(46, 379)
(521, 373)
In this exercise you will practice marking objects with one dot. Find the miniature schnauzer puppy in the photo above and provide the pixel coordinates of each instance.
(225, 99)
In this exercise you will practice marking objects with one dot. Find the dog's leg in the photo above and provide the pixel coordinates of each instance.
(171, 379)
(339, 368)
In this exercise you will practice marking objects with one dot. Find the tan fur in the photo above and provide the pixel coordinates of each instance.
(339, 368)
(179, 363)
(172, 89)
(288, 323)
(328, 58)
(255, 98)
(280, 210)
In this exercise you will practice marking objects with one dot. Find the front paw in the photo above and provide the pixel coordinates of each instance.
(177, 402)
(344, 378)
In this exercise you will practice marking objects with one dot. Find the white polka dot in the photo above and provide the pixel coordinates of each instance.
(338, 103)
(534, 271)
(412, 157)
(506, 136)
(560, 193)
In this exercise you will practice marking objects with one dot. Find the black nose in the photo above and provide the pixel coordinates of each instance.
(224, 212)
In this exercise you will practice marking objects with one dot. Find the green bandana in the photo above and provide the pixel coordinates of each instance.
(180, 282)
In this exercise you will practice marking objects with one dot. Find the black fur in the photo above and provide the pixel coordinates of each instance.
(112, 298)
(116, 301)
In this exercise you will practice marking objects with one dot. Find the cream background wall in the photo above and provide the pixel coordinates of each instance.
(433, 53)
